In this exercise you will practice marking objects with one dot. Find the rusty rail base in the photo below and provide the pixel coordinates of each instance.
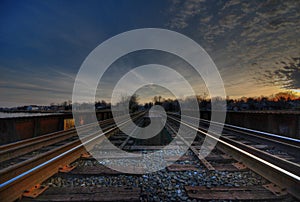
(19, 148)
(29, 147)
(284, 180)
(270, 173)
(15, 189)
(17, 169)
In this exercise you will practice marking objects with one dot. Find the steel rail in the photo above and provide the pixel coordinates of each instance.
(290, 166)
(22, 147)
(19, 148)
(15, 144)
(259, 134)
(13, 188)
(271, 171)
(18, 168)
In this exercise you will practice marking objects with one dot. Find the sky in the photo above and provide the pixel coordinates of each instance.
(254, 44)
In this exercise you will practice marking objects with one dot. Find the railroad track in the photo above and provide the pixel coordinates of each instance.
(219, 176)
(283, 143)
(44, 156)
(10, 152)
(272, 156)
(283, 151)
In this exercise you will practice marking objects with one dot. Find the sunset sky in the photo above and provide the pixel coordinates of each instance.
(254, 44)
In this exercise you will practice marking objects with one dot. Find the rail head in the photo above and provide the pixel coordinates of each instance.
(13, 188)
(274, 173)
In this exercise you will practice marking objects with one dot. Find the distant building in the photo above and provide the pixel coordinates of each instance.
(32, 108)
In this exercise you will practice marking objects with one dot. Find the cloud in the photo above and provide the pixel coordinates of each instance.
(188, 9)
(231, 20)
(245, 39)
(28, 86)
(288, 76)
(206, 19)
(231, 3)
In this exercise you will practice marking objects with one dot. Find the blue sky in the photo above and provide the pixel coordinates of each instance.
(254, 44)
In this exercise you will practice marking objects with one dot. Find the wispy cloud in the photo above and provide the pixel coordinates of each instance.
(245, 39)
(184, 11)
(288, 76)
(36, 87)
